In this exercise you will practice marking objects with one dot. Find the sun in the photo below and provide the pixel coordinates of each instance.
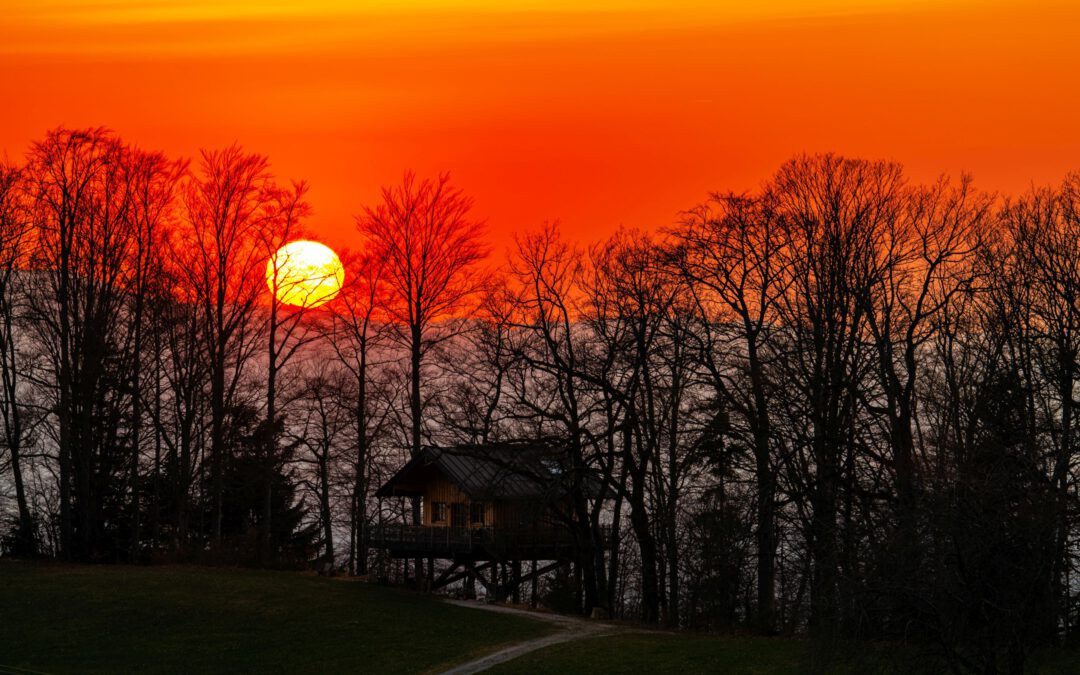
(305, 274)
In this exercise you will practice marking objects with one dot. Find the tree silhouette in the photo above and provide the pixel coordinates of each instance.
(229, 204)
(429, 248)
(14, 245)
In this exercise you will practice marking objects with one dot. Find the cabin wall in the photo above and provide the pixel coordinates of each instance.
(496, 513)
(513, 513)
(439, 489)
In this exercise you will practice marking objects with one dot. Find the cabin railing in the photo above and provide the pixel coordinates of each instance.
(493, 541)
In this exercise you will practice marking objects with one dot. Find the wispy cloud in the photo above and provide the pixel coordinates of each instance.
(149, 28)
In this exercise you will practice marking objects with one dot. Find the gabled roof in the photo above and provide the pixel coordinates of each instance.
(494, 471)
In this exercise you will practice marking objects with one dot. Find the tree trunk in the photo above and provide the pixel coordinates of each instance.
(639, 520)
(324, 505)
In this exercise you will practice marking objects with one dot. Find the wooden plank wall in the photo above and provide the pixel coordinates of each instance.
(439, 489)
(496, 514)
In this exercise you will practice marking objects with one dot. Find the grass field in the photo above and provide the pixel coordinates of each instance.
(658, 654)
(685, 654)
(58, 618)
(77, 619)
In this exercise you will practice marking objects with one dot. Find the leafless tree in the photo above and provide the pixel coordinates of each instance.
(152, 180)
(354, 334)
(15, 251)
(547, 274)
(429, 247)
(229, 204)
(835, 213)
(287, 331)
(730, 254)
(81, 192)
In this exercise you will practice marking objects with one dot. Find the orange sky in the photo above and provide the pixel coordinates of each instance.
(595, 112)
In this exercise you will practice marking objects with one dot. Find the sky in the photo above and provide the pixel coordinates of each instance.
(596, 113)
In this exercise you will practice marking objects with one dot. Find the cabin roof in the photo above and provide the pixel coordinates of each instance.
(493, 471)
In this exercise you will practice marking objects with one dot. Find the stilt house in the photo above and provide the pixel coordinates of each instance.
(481, 506)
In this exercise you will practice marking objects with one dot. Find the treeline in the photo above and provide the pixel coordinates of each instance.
(843, 403)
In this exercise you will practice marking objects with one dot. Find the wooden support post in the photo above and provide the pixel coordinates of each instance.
(579, 589)
(533, 600)
(418, 562)
(515, 581)
(470, 585)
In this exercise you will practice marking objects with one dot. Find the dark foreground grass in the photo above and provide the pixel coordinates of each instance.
(660, 653)
(682, 654)
(81, 619)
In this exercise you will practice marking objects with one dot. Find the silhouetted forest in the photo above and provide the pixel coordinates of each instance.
(843, 403)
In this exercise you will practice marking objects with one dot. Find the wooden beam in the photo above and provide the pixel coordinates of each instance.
(444, 578)
(477, 573)
(516, 580)
(537, 571)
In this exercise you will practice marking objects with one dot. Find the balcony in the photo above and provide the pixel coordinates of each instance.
(483, 543)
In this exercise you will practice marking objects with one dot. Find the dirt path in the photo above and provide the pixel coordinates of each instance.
(571, 628)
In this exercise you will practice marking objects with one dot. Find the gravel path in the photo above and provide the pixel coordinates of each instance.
(571, 628)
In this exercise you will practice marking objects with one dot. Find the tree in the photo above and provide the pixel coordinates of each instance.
(293, 539)
(632, 301)
(834, 212)
(14, 245)
(287, 331)
(153, 181)
(429, 248)
(229, 205)
(547, 273)
(927, 260)
(729, 252)
(1038, 247)
(82, 196)
(353, 334)
(326, 422)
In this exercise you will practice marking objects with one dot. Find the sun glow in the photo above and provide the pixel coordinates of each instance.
(305, 274)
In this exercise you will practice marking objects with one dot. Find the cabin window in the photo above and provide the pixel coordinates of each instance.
(476, 513)
(438, 512)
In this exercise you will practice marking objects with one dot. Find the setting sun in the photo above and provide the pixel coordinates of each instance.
(305, 274)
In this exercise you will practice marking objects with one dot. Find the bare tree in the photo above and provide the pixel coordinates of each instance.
(229, 204)
(326, 422)
(548, 273)
(153, 181)
(926, 255)
(353, 333)
(834, 212)
(429, 248)
(14, 252)
(729, 253)
(287, 331)
(1038, 248)
(81, 192)
(630, 298)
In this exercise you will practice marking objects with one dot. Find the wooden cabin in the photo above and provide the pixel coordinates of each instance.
(482, 505)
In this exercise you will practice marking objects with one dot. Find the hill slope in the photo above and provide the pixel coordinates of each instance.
(79, 619)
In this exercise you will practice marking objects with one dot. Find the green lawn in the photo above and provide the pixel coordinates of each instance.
(683, 654)
(58, 618)
(80, 619)
(660, 653)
